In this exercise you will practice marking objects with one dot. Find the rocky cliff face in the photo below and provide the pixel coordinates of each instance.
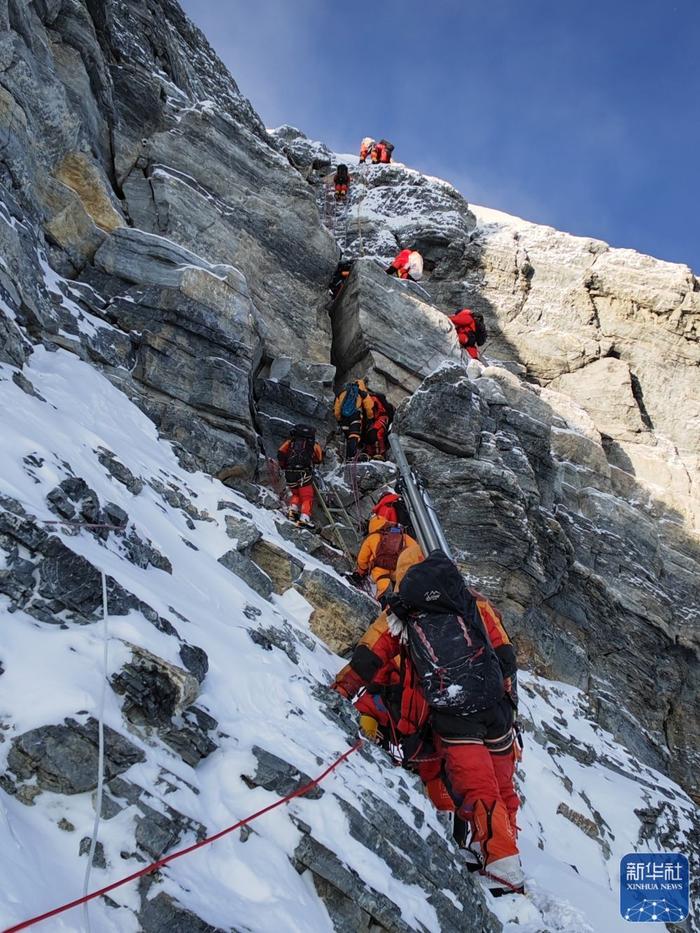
(567, 473)
(165, 262)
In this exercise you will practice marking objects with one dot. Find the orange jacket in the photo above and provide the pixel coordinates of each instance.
(364, 402)
(367, 555)
(379, 658)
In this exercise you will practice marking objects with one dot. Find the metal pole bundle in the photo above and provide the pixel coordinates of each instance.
(420, 506)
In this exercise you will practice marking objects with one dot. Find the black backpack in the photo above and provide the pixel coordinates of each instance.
(453, 658)
(301, 454)
(404, 516)
(455, 663)
(480, 334)
(341, 175)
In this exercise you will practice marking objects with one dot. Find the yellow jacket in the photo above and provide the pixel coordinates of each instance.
(363, 404)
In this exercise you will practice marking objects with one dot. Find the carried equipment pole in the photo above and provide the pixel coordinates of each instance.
(424, 517)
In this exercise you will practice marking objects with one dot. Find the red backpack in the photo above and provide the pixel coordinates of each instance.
(391, 544)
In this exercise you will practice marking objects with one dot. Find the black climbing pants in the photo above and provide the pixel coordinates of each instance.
(351, 426)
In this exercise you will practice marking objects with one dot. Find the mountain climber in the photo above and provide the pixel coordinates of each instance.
(392, 507)
(379, 554)
(471, 330)
(392, 714)
(366, 147)
(407, 265)
(353, 410)
(381, 152)
(340, 277)
(460, 669)
(341, 180)
(374, 440)
(297, 456)
(382, 704)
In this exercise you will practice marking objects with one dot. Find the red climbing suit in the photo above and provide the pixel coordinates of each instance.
(378, 427)
(366, 147)
(386, 507)
(408, 265)
(477, 752)
(300, 481)
(465, 325)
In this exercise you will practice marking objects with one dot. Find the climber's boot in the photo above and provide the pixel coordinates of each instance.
(504, 876)
(462, 835)
(502, 872)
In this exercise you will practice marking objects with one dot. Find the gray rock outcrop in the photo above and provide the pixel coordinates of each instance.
(63, 758)
(598, 591)
(385, 329)
(432, 867)
(566, 307)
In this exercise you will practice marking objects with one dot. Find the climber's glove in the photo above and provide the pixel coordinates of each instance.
(369, 727)
(347, 683)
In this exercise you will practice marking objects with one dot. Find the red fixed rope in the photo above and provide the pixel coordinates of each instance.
(154, 866)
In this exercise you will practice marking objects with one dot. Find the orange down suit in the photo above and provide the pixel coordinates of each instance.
(301, 488)
(369, 553)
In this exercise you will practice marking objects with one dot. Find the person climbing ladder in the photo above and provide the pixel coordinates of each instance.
(297, 457)
(341, 180)
(379, 554)
(392, 507)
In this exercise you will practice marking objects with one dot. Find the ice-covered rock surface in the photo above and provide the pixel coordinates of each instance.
(164, 317)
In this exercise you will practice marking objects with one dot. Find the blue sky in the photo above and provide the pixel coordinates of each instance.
(582, 114)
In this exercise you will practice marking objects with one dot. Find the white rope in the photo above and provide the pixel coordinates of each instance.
(100, 748)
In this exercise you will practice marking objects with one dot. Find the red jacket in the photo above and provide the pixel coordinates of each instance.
(401, 261)
(465, 326)
(386, 508)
